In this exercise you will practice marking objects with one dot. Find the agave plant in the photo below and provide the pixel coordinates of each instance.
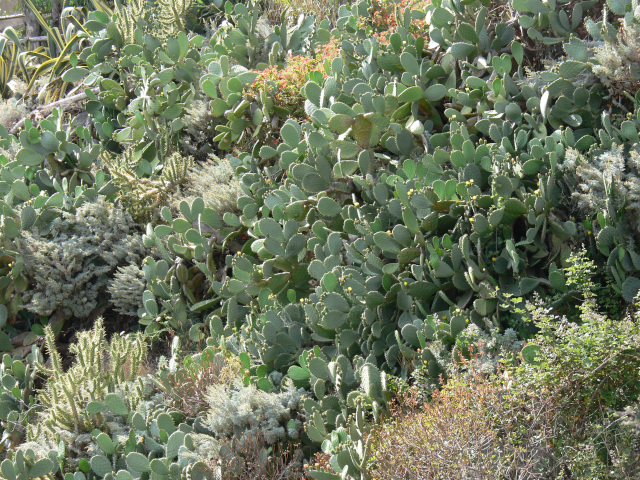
(10, 60)
(59, 58)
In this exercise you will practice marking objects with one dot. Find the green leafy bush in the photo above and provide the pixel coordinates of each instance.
(575, 378)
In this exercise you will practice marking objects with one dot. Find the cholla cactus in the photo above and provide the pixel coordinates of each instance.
(144, 195)
(127, 19)
(245, 411)
(100, 368)
(170, 16)
(69, 268)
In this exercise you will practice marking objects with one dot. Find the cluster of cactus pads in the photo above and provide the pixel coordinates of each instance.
(435, 174)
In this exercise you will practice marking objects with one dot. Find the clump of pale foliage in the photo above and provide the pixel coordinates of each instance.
(126, 289)
(245, 411)
(200, 127)
(11, 111)
(215, 182)
(101, 367)
(618, 61)
(70, 267)
(612, 175)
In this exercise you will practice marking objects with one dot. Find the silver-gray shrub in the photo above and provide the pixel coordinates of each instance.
(126, 289)
(245, 410)
(70, 267)
(215, 181)
(612, 175)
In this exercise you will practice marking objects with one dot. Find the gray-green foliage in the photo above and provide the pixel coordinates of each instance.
(616, 55)
(48, 175)
(17, 397)
(144, 193)
(70, 265)
(215, 182)
(421, 191)
(11, 112)
(199, 127)
(125, 289)
(610, 175)
(160, 72)
(240, 46)
(380, 235)
(244, 411)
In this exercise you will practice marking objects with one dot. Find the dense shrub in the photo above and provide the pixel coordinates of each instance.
(452, 436)
(406, 177)
(555, 414)
(69, 266)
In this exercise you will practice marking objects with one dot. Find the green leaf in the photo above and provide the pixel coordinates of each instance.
(386, 242)
(571, 68)
(11, 230)
(105, 443)
(93, 408)
(442, 17)
(532, 166)
(173, 48)
(530, 354)
(158, 467)
(463, 50)
(345, 148)
(74, 74)
(517, 51)
(630, 288)
(328, 207)
(41, 468)
(319, 368)
(313, 92)
(116, 404)
(175, 441)
(245, 359)
(329, 281)
(390, 62)
(323, 475)
(9, 471)
(27, 217)
(101, 465)
(138, 462)
(435, 92)
(577, 49)
(124, 475)
(410, 63)
(584, 143)
(290, 134)
(4, 315)
(29, 158)
(410, 94)
(298, 374)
